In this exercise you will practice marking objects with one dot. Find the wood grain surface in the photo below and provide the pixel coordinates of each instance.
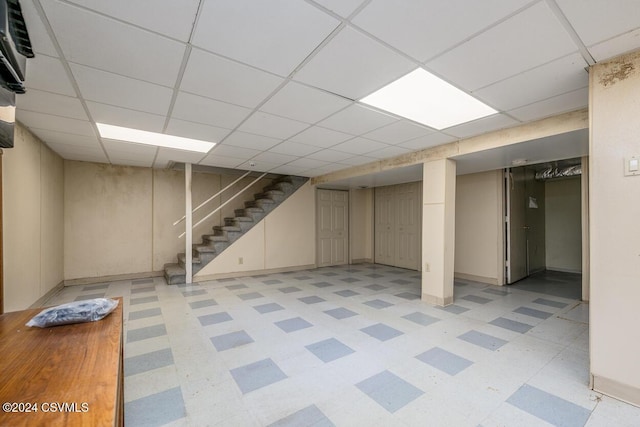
(71, 374)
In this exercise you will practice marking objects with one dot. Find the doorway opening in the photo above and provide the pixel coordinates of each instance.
(543, 227)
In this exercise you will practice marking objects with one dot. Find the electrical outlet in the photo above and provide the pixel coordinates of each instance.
(240, 261)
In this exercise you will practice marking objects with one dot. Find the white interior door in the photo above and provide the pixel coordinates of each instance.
(385, 238)
(333, 227)
(408, 225)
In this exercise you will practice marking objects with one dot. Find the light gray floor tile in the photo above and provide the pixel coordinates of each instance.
(378, 303)
(212, 319)
(289, 289)
(533, 312)
(310, 416)
(268, 308)
(322, 284)
(496, 292)
(250, 296)
(341, 313)
(454, 309)
(134, 335)
(408, 295)
(329, 350)
(389, 391)
(329, 274)
(512, 325)
(142, 300)
(476, 299)
(376, 287)
(445, 361)
(90, 296)
(350, 279)
(550, 303)
(231, 340)
(257, 375)
(203, 303)
(228, 279)
(236, 287)
(549, 407)
(292, 325)
(311, 299)
(375, 275)
(272, 282)
(421, 318)
(100, 286)
(142, 289)
(381, 332)
(483, 340)
(148, 361)
(142, 281)
(400, 281)
(346, 293)
(134, 315)
(155, 410)
(302, 278)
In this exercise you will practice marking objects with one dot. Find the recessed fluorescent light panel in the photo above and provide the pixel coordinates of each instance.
(152, 138)
(424, 98)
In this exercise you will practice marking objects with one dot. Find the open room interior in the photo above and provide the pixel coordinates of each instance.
(320, 212)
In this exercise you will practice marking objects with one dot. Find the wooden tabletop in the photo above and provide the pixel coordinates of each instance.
(70, 374)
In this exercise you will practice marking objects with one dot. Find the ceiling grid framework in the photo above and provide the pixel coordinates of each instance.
(278, 84)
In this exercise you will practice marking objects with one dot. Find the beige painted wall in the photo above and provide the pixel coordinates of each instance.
(284, 239)
(614, 203)
(361, 225)
(119, 219)
(478, 227)
(33, 220)
(563, 212)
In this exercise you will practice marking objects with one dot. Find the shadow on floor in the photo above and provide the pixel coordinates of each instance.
(556, 283)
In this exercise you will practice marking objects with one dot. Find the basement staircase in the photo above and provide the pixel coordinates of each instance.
(223, 236)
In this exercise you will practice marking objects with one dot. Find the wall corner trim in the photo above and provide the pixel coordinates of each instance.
(617, 390)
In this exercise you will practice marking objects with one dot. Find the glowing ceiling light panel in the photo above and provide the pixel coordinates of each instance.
(124, 134)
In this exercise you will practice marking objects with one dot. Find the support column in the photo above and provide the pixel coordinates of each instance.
(438, 231)
(188, 265)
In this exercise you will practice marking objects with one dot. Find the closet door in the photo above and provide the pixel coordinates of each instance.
(385, 236)
(408, 225)
(332, 227)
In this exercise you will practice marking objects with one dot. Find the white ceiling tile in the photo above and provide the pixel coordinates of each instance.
(218, 78)
(556, 105)
(357, 160)
(616, 46)
(51, 103)
(75, 153)
(388, 152)
(290, 170)
(48, 74)
(597, 20)
(356, 120)
(174, 19)
(258, 166)
(208, 111)
(120, 148)
(225, 150)
(69, 140)
(293, 148)
(331, 167)
(303, 103)
(111, 115)
(560, 76)
(308, 163)
(429, 28)
(167, 155)
(223, 162)
(398, 132)
(353, 65)
(359, 146)
(329, 156)
(123, 49)
(55, 123)
(272, 126)
(486, 124)
(273, 158)
(320, 137)
(530, 38)
(249, 140)
(275, 36)
(427, 141)
(40, 40)
(341, 7)
(113, 89)
(199, 131)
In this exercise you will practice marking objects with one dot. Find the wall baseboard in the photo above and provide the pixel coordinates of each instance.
(113, 278)
(616, 389)
(564, 270)
(252, 273)
(433, 300)
(474, 278)
(362, 261)
(43, 299)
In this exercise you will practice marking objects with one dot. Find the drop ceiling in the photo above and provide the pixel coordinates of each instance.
(276, 84)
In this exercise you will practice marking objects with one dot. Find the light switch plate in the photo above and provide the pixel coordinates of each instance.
(632, 165)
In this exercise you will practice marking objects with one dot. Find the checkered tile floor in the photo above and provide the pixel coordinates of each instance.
(352, 346)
